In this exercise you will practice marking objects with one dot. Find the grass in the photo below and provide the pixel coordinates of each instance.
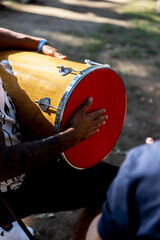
(144, 34)
(87, 47)
(107, 28)
(141, 40)
(95, 45)
(157, 63)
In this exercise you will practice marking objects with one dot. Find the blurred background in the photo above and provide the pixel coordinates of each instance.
(123, 33)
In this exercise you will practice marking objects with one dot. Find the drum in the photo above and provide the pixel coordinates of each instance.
(46, 91)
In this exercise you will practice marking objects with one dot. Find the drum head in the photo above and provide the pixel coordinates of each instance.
(108, 91)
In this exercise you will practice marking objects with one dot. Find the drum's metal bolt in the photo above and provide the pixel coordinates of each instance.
(61, 67)
(64, 71)
(89, 62)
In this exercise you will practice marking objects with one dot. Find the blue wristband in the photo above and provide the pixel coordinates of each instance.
(40, 45)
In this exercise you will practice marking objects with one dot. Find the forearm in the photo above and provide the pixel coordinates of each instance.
(13, 40)
(20, 158)
(18, 41)
(23, 157)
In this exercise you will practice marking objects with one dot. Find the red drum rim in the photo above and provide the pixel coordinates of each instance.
(60, 119)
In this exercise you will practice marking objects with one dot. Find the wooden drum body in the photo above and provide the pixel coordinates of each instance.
(29, 76)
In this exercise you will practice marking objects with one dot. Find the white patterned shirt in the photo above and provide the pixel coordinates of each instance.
(11, 132)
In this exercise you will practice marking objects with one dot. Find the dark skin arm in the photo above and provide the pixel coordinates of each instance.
(13, 40)
(23, 157)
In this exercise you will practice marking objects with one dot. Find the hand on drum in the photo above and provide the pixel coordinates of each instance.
(51, 51)
(86, 124)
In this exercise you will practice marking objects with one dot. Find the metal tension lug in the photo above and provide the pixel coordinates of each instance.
(64, 71)
(44, 104)
(89, 62)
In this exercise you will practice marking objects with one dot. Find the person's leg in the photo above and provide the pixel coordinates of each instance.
(12, 230)
(58, 187)
(85, 218)
(88, 213)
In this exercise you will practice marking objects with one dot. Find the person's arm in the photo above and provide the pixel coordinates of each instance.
(18, 41)
(92, 233)
(20, 158)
